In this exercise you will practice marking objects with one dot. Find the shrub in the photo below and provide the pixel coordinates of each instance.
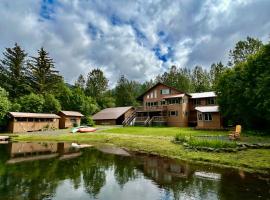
(88, 121)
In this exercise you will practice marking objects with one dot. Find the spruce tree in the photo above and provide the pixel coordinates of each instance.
(44, 78)
(13, 72)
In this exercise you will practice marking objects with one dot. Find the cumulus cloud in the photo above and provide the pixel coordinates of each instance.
(136, 38)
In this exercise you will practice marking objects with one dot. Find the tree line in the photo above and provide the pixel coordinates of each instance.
(32, 84)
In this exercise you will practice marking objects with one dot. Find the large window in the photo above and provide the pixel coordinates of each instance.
(207, 117)
(174, 101)
(165, 91)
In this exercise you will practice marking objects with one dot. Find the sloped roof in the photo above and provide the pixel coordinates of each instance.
(111, 113)
(159, 83)
(33, 115)
(204, 109)
(203, 95)
(71, 113)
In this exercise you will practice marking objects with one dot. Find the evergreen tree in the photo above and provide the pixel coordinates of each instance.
(13, 72)
(80, 82)
(44, 78)
(96, 83)
(216, 71)
(125, 92)
(200, 79)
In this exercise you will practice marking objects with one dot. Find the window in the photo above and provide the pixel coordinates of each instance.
(173, 113)
(197, 101)
(200, 116)
(207, 117)
(147, 96)
(211, 101)
(73, 120)
(163, 102)
(165, 91)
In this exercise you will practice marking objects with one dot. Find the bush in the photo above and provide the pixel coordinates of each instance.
(51, 104)
(87, 120)
(31, 103)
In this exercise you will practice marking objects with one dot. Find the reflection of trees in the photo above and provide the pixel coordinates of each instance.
(124, 170)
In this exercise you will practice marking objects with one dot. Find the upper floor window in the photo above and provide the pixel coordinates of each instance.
(211, 101)
(155, 93)
(197, 101)
(165, 91)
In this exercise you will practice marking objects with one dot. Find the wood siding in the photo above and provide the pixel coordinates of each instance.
(27, 126)
(215, 123)
(68, 121)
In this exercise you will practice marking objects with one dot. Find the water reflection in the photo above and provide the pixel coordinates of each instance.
(29, 171)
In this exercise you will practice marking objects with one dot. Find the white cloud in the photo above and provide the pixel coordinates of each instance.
(119, 36)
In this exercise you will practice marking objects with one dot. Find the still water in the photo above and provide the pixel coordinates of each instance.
(62, 171)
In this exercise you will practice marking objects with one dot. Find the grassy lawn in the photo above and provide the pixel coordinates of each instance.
(158, 141)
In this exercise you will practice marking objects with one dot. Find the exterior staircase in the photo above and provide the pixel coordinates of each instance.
(130, 119)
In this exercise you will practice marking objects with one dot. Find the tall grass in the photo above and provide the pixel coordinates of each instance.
(212, 143)
(204, 142)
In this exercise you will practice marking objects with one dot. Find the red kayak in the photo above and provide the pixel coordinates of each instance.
(86, 130)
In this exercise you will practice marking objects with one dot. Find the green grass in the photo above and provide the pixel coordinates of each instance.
(158, 141)
(162, 131)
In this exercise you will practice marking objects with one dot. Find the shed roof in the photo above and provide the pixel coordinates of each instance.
(33, 115)
(204, 109)
(111, 113)
(203, 95)
(71, 113)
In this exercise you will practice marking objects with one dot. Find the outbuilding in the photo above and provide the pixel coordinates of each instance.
(69, 119)
(28, 122)
(113, 116)
(208, 117)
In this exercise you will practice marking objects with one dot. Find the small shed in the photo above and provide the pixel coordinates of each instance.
(113, 116)
(69, 118)
(28, 122)
(208, 117)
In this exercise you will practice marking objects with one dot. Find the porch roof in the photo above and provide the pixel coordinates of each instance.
(204, 109)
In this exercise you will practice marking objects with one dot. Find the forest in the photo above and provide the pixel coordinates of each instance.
(33, 84)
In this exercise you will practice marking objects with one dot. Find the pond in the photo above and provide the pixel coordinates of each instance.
(64, 171)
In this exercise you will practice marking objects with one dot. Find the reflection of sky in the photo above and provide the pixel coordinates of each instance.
(139, 189)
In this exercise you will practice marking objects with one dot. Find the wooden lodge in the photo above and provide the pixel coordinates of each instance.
(28, 122)
(114, 116)
(69, 119)
(162, 105)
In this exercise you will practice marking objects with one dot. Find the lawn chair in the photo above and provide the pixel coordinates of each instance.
(235, 134)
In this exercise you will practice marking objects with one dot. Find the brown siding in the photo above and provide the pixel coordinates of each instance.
(25, 126)
(182, 119)
(214, 124)
(159, 96)
(66, 122)
(106, 122)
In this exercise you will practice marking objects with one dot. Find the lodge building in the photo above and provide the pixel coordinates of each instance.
(162, 105)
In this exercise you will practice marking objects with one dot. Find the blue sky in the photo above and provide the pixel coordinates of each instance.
(136, 38)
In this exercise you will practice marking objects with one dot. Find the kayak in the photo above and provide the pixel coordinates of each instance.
(87, 129)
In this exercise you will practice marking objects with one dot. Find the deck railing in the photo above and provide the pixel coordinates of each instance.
(151, 108)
